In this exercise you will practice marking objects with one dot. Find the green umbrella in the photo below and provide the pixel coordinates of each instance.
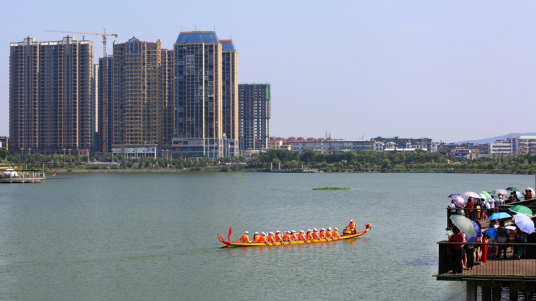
(464, 224)
(493, 194)
(521, 209)
(512, 189)
(486, 195)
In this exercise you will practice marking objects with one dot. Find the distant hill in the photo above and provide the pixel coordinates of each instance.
(493, 139)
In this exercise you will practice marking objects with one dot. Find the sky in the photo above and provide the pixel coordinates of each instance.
(446, 70)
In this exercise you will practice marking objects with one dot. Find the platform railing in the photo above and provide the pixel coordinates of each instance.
(525, 266)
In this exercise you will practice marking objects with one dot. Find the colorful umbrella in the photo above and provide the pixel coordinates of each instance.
(524, 223)
(459, 201)
(510, 227)
(532, 190)
(464, 224)
(454, 194)
(486, 194)
(501, 191)
(519, 195)
(512, 189)
(521, 209)
(499, 215)
(472, 194)
(493, 194)
(491, 232)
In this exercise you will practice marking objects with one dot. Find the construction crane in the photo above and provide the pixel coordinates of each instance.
(104, 35)
(104, 100)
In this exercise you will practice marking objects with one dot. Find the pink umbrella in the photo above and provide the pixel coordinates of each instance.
(472, 194)
(459, 201)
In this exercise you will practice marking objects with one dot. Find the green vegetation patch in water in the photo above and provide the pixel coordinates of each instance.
(241, 176)
(332, 188)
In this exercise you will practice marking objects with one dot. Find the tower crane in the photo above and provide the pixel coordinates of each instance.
(104, 101)
(103, 34)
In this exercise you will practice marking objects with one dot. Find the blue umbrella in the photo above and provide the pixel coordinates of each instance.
(477, 228)
(491, 232)
(454, 194)
(499, 215)
(518, 195)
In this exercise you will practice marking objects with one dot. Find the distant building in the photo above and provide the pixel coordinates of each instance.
(51, 97)
(229, 92)
(336, 146)
(198, 96)
(4, 142)
(138, 96)
(407, 145)
(255, 114)
(278, 144)
(524, 145)
(104, 104)
(501, 147)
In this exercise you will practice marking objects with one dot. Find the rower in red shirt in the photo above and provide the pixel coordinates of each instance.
(328, 233)
(301, 236)
(322, 233)
(315, 234)
(262, 238)
(335, 233)
(271, 238)
(245, 238)
(309, 235)
(286, 237)
(278, 237)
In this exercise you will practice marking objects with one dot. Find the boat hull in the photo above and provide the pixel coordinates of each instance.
(283, 243)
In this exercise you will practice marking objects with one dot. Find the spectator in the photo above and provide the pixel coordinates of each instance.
(502, 237)
(457, 250)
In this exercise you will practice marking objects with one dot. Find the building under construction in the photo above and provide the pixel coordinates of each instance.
(51, 96)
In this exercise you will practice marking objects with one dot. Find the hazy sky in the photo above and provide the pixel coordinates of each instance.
(447, 70)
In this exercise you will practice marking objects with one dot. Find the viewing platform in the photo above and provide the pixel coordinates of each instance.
(498, 277)
(22, 176)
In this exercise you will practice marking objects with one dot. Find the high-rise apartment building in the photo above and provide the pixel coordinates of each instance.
(51, 97)
(198, 96)
(104, 104)
(229, 89)
(254, 114)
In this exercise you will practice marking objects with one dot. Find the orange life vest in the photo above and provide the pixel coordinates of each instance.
(278, 237)
(328, 234)
(322, 234)
(335, 233)
(301, 236)
(315, 235)
(309, 236)
(286, 237)
(262, 238)
(245, 238)
(270, 238)
(293, 236)
(256, 238)
(351, 226)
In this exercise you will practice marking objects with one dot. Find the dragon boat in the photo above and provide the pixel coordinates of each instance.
(346, 235)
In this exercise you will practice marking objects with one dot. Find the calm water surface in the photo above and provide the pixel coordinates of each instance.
(140, 236)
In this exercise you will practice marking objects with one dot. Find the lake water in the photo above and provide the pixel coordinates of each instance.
(152, 236)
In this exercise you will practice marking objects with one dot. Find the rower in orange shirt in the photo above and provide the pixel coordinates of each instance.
(309, 235)
(286, 237)
(245, 238)
(335, 233)
(262, 238)
(322, 233)
(351, 226)
(328, 233)
(315, 234)
(278, 237)
(256, 237)
(301, 236)
(271, 238)
(293, 236)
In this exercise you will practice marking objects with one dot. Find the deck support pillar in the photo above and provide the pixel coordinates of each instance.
(471, 291)
(496, 293)
(486, 293)
(513, 293)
